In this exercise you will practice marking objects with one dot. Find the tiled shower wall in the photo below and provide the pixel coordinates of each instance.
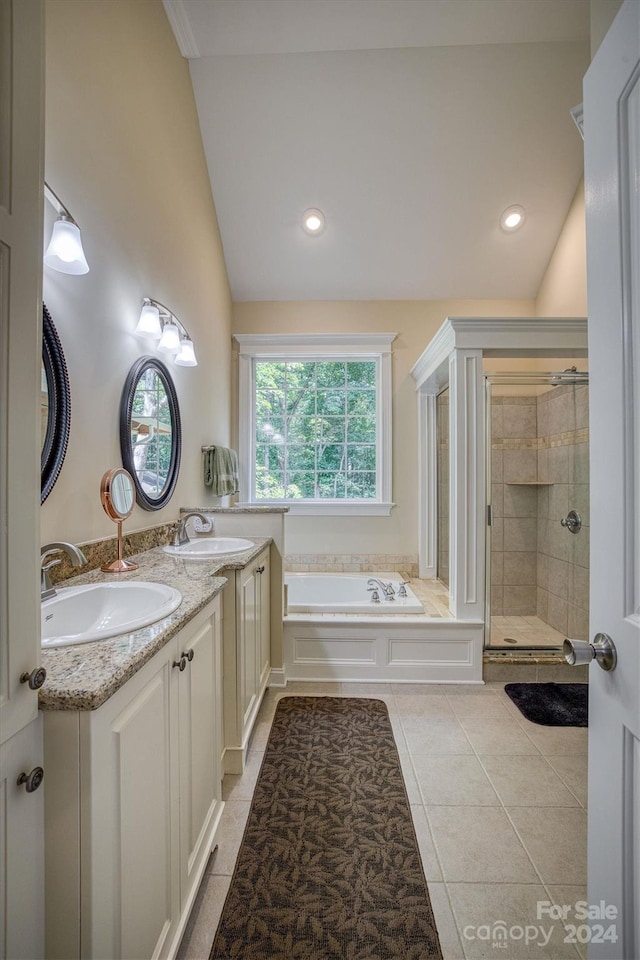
(540, 463)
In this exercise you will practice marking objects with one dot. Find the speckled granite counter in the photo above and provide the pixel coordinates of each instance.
(84, 676)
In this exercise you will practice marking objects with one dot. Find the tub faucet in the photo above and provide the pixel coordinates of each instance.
(180, 535)
(74, 553)
(387, 588)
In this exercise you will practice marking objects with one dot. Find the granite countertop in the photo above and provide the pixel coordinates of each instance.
(84, 676)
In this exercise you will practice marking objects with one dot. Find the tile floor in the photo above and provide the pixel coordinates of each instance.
(526, 631)
(499, 806)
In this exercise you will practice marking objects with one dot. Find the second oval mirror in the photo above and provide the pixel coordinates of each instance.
(150, 432)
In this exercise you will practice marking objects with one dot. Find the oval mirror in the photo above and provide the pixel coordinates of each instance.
(150, 432)
(55, 406)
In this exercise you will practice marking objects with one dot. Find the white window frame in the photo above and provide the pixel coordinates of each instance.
(348, 347)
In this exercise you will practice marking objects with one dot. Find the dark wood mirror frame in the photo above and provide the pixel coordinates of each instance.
(143, 499)
(56, 438)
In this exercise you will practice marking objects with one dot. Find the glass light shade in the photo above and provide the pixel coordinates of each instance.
(149, 323)
(65, 252)
(170, 340)
(187, 355)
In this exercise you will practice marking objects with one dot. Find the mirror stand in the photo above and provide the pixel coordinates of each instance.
(118, 497)
(120, 565)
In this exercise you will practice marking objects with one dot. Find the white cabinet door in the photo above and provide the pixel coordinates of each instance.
(264, 637)
(247, 639)
(21, 859)
(200, 730)
(131, 875)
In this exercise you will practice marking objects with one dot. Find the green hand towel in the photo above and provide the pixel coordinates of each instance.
(221, 471)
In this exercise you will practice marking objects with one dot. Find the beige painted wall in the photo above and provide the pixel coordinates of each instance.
(415, 323)
(124, 153)
(563, 291)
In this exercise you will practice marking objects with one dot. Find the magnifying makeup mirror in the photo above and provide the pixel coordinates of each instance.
(117, 495)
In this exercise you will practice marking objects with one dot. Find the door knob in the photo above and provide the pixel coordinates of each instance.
(31, 780)
(35, 679)
(602, 650)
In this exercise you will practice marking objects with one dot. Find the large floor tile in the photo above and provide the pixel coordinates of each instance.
(469, 705)
(454, 780)
(205, 916)
(435, 736)
(409, 777)
(573, 771)
(527, 782)
(497, 919)
(478, 845)
(556, 741)
(430, 863)
(241, 786)
(445, 923)
(415, 707)
(492, 735)
(230, 833)
(569, 897)
(556, 840)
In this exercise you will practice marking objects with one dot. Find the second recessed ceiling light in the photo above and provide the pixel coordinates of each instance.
(512, 218)
(313, 221)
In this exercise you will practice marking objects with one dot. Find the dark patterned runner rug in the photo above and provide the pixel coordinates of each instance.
(329, 866)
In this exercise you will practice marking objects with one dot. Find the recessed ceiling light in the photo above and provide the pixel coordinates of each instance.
(512, 218)
(313, 221)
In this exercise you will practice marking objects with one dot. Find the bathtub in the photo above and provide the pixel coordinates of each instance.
(319, 593)
(332, 631)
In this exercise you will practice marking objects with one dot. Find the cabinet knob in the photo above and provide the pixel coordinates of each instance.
(260, 569)
(189, 654)
(180, 664)
(31, 780)
(35, 679)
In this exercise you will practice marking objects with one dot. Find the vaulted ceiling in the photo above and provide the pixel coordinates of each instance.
(412, 124)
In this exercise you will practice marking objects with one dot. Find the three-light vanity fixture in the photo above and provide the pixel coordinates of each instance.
(157, 322)
(64, 252)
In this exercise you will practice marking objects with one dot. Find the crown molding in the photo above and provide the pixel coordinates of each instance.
(177, 15)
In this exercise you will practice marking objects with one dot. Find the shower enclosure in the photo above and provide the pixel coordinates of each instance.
(537, 571)
(503, 518)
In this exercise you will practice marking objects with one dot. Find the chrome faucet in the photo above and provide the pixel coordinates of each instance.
(180, 535)
(74, 553)
(387, 588)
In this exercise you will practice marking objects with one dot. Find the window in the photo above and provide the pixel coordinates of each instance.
(315, 422)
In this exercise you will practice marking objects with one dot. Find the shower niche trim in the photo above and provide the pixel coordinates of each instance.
(454, 360)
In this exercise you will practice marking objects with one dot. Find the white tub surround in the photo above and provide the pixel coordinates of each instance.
(397, 649)
(349, 593)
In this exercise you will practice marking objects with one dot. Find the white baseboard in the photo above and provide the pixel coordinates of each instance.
(277, 677)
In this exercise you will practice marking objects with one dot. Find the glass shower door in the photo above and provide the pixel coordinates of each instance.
(538, 537)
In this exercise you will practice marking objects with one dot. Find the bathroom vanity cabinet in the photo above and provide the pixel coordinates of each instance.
(134, 801)
(246, 655)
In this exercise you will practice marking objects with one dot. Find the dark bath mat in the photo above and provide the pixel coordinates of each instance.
(329, 866)
(552, 704)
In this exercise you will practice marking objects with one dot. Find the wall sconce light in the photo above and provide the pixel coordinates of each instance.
(157, 322)
(64, 252)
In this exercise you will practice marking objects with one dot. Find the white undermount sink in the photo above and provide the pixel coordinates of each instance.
(207, 547)
(97, 611)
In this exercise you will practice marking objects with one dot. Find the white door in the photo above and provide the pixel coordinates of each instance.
(21, 201)
(612, 166)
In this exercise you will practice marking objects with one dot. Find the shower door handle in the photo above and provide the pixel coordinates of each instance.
(602, 650)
